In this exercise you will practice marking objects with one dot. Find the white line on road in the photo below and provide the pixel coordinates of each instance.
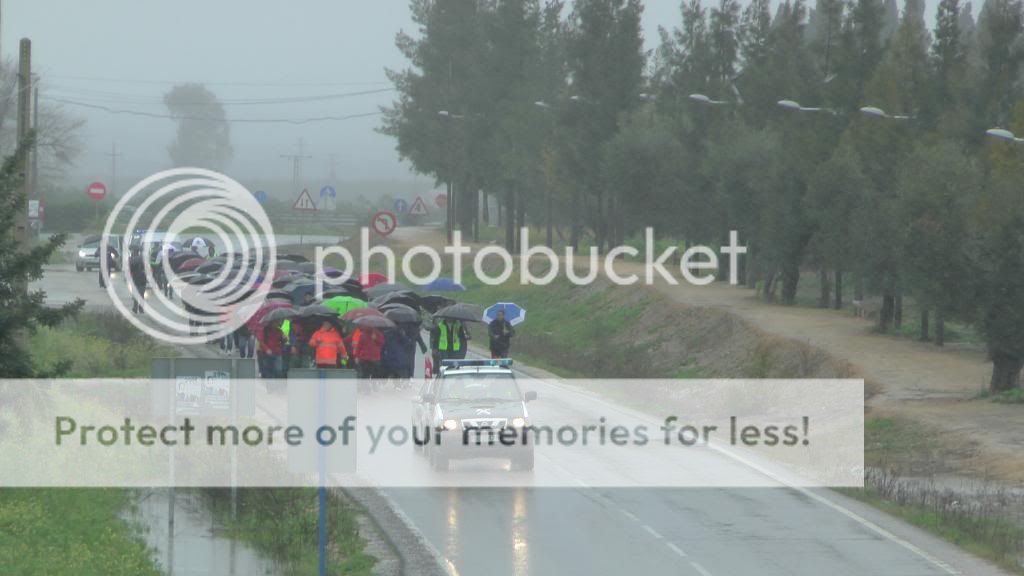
(700, 569)
(630, 515)
(676, 549)
(652, 532)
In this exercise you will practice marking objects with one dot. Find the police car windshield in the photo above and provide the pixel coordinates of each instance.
(474, 387)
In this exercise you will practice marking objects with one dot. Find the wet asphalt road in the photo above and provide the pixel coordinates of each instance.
(594, 531)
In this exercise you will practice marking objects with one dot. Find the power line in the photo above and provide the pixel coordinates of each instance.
(226, 83)
(142, 113)
(120, 98)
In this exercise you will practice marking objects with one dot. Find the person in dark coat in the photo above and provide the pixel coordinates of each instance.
(501, 334)
(137, 280)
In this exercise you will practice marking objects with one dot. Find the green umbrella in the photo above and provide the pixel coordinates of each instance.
(344, 304)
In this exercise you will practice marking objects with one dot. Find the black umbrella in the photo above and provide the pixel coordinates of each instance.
(433, 303)
(307, 267)
(317, 311)
(377, 322)
(401, 314)
(297, 258)
(461, 311)
(382, 289)
(279, 315)
(279, 295)
(342, 291)
(412, 301)
(286, 265)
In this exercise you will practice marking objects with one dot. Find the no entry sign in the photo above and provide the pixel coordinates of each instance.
(384, 223)
(97, 190)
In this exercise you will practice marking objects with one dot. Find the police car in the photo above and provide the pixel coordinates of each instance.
(474, 409)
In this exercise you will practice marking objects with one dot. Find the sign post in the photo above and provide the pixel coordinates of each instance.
(96, 192)
(418, 208)
(384, 223)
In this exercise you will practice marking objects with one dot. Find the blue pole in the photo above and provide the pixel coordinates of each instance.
(322, 547)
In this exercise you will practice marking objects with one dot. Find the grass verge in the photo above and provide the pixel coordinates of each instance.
(70, 532)
(282, 524)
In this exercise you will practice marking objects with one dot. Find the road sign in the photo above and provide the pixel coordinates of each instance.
(305, 202)
(401, 206)
(96, 190)
(419, 207)
(261, 196)
(328, 192)
(33, 209)
(441, 200)
(384, 223)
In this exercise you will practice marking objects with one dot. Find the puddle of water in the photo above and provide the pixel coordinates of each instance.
(199, 549)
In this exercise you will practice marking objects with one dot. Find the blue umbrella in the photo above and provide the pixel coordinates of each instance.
(444, 285)
(514, 313)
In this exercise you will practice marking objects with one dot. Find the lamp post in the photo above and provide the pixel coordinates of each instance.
(1004, 134)
(879, 113)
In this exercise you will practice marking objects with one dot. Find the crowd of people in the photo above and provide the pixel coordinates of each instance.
(376, 331)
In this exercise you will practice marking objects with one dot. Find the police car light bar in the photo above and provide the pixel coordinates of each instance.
(485, 363)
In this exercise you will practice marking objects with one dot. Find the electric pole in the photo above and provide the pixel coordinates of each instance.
(36, 192)
(333, 176)
(297, 165)
(114, 155)
(23, 128)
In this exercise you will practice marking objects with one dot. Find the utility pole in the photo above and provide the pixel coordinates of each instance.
(333, 176)
(23, 129)
(297, 164)
(114, 155)
(36, 192)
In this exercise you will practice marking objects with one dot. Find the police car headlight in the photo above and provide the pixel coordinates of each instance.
(519, 422)
(450, 424)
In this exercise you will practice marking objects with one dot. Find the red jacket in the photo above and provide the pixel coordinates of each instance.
(367, 344)
(272, 341)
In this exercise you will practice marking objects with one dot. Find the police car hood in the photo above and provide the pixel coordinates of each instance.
(485, 409)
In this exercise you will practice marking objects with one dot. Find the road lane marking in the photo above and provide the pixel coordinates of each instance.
(700, 569)
(630, 515)
(652, 532)
(730, 454)
(676, 549)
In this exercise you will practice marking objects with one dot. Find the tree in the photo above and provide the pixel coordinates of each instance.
(937, 185)
(606, 64)
(204, 134)
(21, 311)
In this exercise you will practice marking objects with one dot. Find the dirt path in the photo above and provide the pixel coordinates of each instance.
(935, 386)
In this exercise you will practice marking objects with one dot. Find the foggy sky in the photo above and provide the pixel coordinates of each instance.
(126, 53)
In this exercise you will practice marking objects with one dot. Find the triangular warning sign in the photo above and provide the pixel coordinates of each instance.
(305, 202)
(418, 208)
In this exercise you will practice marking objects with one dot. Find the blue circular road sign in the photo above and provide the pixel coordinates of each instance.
(401, 206)
(261, 196)
(328, 192)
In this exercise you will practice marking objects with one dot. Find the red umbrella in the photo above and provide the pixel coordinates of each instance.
(372, 279)
(191, 264)
(353, 315)
(254, 321)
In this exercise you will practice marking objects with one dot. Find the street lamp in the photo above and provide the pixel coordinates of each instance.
(1004, 134)
(879, 113)
(450, 206)
(703, 99)
(796, 107)
(542, 104)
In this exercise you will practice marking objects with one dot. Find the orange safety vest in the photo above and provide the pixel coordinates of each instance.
(328, 346)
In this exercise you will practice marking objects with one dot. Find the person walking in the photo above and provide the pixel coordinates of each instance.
(501, 333)
(137, 280)
(413, 337)
(329, 350)
(269, 358)
(367, 345)
(450, 340)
